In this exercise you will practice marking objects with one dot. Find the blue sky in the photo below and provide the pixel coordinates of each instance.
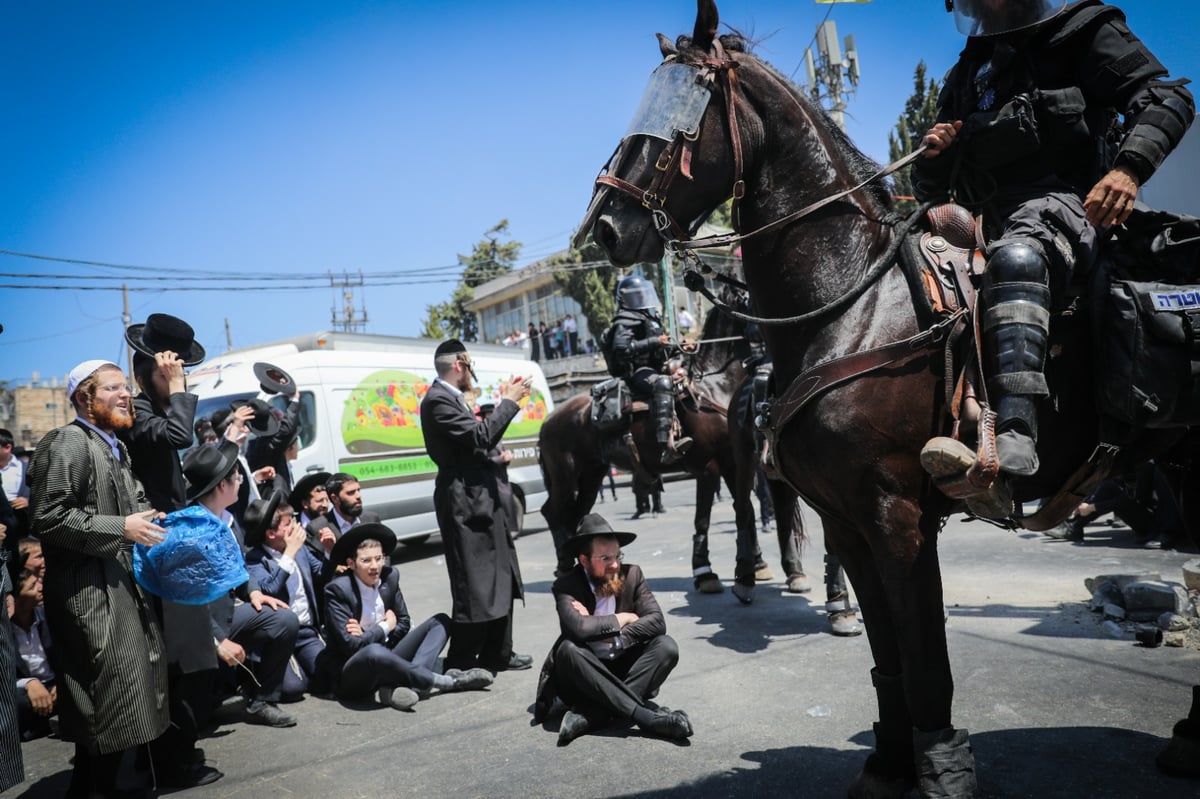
(251, 139)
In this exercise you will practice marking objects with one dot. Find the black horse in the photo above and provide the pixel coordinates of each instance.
(575, 455)
(727, 122)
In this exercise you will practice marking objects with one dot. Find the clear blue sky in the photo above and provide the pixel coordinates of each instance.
(298, 137)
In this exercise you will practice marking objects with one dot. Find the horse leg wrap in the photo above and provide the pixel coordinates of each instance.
(945, 764)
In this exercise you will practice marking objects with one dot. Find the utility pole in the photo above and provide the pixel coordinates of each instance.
(126, 319)
(350, 320)
(827, 76)
(668, 298)
(228, 336)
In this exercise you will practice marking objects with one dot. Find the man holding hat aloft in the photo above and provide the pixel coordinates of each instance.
(88, 510)
(614, 652)
(278, 559)
(213, 476)
(164, 414)
(377, 649)
(480, 557)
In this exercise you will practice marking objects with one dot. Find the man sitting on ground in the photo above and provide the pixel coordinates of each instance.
(346, 511)
(614, 652)
(371, 634)
(309, 497)
(37, 696)
(278, 560)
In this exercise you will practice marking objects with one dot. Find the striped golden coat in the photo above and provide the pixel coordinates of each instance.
(108, 646)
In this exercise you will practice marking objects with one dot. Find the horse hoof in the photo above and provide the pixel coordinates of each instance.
(798, 584)
(744, 593)
(844, 623)
(943, 456)
(763, 574)
(709, 583)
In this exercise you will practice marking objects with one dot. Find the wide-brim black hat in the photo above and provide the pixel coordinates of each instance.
(207, 465)
(163, 332)
(264, 421)
(347, 543)
(590, 527)
(257, 518)
(304, 487)
(273, 380)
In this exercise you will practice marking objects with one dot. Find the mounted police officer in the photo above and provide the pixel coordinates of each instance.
(639, 346)
(1028, 136)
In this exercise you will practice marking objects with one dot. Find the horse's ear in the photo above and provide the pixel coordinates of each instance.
(706, 24)
(666, 46)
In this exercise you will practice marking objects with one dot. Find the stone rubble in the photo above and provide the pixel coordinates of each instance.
(1126, 601)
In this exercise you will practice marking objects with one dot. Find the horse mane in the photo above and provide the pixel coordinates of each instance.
(861, 166)
(718, 324)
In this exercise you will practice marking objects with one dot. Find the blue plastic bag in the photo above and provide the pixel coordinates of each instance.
(197, 561)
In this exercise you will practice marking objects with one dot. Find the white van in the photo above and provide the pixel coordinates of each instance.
(360, 401)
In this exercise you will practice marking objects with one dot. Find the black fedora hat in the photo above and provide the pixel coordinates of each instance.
(264, 421)
(207, 465)
(163, 332)
(347, 543)
(257, 518)
(304, 487)
(591, 526)
(273, 380)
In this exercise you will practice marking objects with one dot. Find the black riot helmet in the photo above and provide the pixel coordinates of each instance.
(636, 293)
(995, 17)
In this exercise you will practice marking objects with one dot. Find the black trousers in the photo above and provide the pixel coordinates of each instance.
(190, 701)
(486, 644)
(615, 688)
(410, 661)
(270, 635)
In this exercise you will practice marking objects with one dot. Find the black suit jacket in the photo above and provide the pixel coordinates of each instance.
(343, 602)
(272, 450)
(635, 597)
(273, 580)
(154, 442)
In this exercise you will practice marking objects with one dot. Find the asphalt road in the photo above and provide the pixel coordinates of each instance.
(780, 707)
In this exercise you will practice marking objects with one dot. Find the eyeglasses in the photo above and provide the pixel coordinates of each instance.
(116, 388)
(607, 559)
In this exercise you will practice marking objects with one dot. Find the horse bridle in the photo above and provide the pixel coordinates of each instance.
(675, 160)
(676, 157)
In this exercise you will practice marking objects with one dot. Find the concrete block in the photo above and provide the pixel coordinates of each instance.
(1147, 600)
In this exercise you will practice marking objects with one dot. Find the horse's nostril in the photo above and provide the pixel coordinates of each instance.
(605, 235)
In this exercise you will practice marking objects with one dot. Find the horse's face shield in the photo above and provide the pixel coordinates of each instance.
(673, 104)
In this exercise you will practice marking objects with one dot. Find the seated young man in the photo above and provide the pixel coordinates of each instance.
(37, 696)
(614, 652)
(370, 633)
(284, 569)
(261, 625)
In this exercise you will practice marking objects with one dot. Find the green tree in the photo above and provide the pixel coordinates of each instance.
(920, 112)
(587, 277)
(489, 258)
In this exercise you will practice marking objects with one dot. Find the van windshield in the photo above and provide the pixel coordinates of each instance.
(207, 406)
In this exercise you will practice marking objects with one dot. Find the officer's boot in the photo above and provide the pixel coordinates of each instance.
(1016, 325)
(663, 401)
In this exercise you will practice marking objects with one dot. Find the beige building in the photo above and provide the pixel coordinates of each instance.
(36, 410)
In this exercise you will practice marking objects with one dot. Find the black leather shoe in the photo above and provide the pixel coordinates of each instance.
(268, 715)
(191, 777)
(469, 680)
(673, 724)
(519, 662)
(573, 725)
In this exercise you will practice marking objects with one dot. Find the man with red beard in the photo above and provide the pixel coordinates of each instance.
(614, 652)
(89, 510)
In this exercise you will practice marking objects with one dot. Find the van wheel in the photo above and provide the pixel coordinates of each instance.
(415, 540)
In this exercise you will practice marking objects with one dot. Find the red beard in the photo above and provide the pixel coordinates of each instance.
(611, 586)
(110, 418)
